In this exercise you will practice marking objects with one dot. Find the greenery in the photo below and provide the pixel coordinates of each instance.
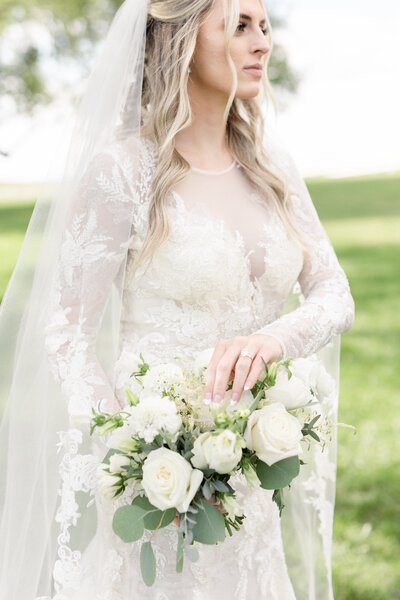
(362, 218)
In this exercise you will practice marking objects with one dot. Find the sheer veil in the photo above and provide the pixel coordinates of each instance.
(48, 517)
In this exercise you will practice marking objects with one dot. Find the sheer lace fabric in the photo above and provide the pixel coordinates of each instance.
(226, 270)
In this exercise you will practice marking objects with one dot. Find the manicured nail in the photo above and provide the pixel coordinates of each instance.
(207, 398)
(234, 397)
(217, 398)
(248, 385)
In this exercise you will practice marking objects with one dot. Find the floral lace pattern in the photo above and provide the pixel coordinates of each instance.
(198, 289)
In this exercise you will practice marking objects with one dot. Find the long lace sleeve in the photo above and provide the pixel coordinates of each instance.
(328, 307)
(92, 253)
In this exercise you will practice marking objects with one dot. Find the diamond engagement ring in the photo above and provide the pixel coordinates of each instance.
(245, 352)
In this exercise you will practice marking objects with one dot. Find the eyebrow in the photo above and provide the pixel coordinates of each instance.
(248, 18)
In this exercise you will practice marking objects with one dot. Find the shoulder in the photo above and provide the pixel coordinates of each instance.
(122, 163)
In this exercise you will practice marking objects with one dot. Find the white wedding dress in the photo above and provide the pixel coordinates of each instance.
(226, 270)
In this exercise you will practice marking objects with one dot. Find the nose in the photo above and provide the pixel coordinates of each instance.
(261, 46)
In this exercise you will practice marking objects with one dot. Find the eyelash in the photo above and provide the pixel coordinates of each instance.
(265, 31)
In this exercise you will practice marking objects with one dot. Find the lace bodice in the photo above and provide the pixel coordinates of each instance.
(227, 269)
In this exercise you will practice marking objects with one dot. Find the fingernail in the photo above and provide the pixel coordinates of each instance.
(207, 398)
(217, 398)
(235, 397)
(248, 385)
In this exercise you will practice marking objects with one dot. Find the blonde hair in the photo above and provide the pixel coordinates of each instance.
(174, 25)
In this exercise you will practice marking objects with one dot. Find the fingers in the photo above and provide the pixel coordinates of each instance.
(211, 371)
(226, 364)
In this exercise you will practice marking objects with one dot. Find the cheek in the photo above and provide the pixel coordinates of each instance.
(210, 61)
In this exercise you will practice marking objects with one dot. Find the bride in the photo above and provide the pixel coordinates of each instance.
(181, 225)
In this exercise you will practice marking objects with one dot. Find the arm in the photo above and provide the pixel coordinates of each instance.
(92, 251)
(328, 306)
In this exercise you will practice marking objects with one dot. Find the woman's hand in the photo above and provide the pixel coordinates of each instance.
(217, 503)
(227, 362)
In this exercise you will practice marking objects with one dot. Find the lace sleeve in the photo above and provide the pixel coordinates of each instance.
(92, 252)
(328, 306)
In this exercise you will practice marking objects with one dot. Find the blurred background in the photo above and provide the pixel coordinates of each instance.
(336, 75)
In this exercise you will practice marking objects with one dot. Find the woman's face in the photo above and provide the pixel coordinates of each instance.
(209, 67)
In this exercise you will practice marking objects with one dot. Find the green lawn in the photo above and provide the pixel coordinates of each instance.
(362, 218)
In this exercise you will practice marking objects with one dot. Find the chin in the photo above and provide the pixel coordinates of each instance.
(248, 92)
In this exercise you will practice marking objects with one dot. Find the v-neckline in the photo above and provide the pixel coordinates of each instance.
(220, 223)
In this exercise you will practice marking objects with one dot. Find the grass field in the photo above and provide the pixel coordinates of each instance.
(362, 218)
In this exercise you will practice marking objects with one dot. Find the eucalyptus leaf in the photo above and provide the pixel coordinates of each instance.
(210, 526)
(207, 491)
(128, 523)
(278, 475)
(179, 553)
(192, 553)
(220, 486)
(147, 563)
(153, 517)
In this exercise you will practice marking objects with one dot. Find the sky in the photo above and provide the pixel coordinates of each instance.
(343, 120)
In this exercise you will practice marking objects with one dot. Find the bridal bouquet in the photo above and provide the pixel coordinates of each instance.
(174, 454)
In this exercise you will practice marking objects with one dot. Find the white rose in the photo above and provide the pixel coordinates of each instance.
(169, 480)
(273, 433)
(106, 482)
(221, 452)
(117, 461)
(292, 393)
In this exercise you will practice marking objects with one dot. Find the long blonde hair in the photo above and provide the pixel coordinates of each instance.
(172, 28)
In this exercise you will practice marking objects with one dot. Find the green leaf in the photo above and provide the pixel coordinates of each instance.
(220, 486)
(210, 525)
(153, 517)
(314, 435)
(192, 553)
(278, 475)
(179, 553)
(128, 523)
(207, 491)
(147, 563)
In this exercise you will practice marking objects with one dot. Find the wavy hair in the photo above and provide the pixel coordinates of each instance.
(174, 25)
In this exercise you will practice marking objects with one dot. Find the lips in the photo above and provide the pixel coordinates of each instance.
(255, 66)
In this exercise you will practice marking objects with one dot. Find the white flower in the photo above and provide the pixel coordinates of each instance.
(121, 438)
(127, 363)
(273, 433)
(202, 360)
(152, 415)
(232, 506)
(312, 371)
(325, 385)
(225, 405)
(106, 482)
(221, 452)
(169, 480)
(117, 461)
(162, 378)
(305, 369)
(292, 393)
